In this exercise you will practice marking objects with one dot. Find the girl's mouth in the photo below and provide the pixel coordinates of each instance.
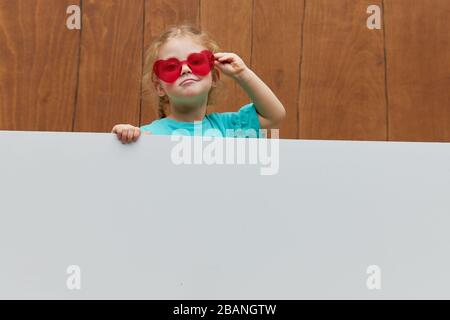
(187, 81)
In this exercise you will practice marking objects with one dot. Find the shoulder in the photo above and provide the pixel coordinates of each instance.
(155, 127)
(245, 117)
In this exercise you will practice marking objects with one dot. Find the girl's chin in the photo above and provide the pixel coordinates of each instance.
(191, 95)
(191, 91)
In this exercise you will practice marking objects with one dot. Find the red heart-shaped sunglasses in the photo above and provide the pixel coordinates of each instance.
(169, 70)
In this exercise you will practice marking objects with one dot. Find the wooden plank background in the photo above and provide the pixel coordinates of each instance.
(38, 66)
(418, 64)
(336, 78)
(110, 64)
(342, 77)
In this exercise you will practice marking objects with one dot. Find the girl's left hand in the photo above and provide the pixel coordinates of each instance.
(229, 63)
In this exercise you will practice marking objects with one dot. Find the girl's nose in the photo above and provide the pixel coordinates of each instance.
(185, 69)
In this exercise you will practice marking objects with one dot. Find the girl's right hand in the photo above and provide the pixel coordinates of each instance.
(126, 132)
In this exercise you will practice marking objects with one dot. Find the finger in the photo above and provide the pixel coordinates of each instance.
(119, 133)
(130, 134)
(137, 133)
(226, 57)
(226, 60)
(124, 137)
(116, 129)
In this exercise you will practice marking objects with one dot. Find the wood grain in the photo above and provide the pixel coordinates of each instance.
(276, 54)
(342, 93)
(38, 65)
(418, 64)
(110, 64)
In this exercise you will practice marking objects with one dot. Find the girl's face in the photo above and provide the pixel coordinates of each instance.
(178, 91)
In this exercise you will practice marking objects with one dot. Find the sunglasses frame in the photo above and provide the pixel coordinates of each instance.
(207, 53)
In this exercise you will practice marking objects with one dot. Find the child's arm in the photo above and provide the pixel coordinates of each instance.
(270, 109)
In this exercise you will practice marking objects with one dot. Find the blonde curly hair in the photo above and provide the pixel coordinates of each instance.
(151, 55)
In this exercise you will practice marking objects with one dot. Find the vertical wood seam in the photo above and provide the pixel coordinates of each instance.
(77, 87)
(199, 11)
(300, 66)
(142, 61)
(386, 87)
(251, 34)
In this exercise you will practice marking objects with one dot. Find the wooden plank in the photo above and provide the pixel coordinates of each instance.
(159, 14)
(38, 65)
(343, 93)
(276, 53)
(418, 65)
(230, 23)
(111, 64)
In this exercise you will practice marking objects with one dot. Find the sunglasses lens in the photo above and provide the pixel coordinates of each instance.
(199, 63)
(169, 67)
(167, 70)
(196, 59)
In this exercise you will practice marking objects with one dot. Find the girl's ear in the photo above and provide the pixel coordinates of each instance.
(215, 77)
(159, 89)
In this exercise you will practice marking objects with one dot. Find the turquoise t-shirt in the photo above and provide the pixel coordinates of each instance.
(243, 123)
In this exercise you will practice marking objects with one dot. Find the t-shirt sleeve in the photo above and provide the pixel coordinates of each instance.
(244, 119)
(154, 128)
(145, 128)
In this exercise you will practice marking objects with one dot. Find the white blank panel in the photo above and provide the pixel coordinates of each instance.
(141, 227)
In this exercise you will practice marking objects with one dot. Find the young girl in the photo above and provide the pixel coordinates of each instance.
(184, 67)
